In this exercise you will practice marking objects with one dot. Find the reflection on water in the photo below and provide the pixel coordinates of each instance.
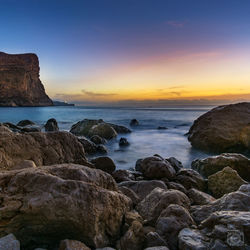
(145, 140)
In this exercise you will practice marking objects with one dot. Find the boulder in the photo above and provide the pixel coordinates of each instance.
(143, 188)
(104, 163)
(103, 130)
(191, 179)
(130, 194)
(123, 142)
(234, 223)
(199, 198)
(223, 129)
(120, 129)
(133, 238)
(213, 164)
(72, 245)
(157, 248)
(134, 122)
(101, 149)
(156, 167)
(51, 125)
(98, 140)
(121, 175)
(30, 128)
(176, 164)
(9, 242)
(154, 203)
(82, 128)
(192, 239)
(42, 148)
(177, 186)
(25, 164)
(89, 147)
(24, 123)
(224, 181)
(171, 221)
(235, 201)
(45, 205)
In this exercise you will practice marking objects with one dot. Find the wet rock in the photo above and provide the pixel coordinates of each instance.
(24, 123)
(123, 142)
(98, 140)
(154, 203)
(192, 239)
(82, 128)
(134, 122)
(42, 148)
(156, 167)
(153, 239)
(143, 188)
(171, 221)
(130, 194)
(9, 242)
(177, 165)
(161, 128)
(199, 198)
(224, 181)
(103, 130)
(157, 248)
(89, 147)
(104, 163)
(101, 149)
(30, 128)
(191, 179)
(213, 164)
(72, 245)
(120, 129)
(45, 205)
(223, 129)
(51, 125)
(218, 244)
(121, 175)
(235, 201)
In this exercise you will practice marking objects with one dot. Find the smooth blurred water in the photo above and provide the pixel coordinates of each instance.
(145, 140)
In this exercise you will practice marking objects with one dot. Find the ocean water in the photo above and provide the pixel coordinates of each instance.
(145, 140)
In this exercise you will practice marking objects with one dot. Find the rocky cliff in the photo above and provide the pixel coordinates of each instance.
(19, 81)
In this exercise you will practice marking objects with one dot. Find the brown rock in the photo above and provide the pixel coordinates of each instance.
(224, 181)
(223, 129)
(19, 81)
(199, 198)
(156, 167)
(131, 194)
(143, 188)
(42, 148)
(104, 163)
(121, 175)
(24, 164)
(151, 207)
(45, 205)
(72, 245)
(213, 164)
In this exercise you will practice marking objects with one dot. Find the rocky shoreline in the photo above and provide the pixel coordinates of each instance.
(53, 197)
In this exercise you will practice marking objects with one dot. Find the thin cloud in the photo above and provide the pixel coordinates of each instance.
(96, 94)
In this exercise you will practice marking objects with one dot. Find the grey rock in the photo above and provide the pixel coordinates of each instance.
(9, 242)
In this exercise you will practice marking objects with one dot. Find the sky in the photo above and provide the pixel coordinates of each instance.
(134, 52)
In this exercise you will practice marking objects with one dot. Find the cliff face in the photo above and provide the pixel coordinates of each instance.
(19, 81)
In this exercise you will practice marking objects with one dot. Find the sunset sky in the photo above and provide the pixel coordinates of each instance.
(134, 52)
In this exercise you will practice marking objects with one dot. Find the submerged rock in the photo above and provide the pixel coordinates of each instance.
(24, 123)
(224, 181)
(97, 139)
(134, 122)
(45, 205)
(223, 129)
(123, 142)
(42, 148)
(51, 125)
(213, 164)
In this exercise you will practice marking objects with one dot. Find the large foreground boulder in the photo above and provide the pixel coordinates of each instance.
(42, 206)
(223, 129)
(42, 148)
(213, 164)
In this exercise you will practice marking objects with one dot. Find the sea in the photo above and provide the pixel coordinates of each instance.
(145, 139)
